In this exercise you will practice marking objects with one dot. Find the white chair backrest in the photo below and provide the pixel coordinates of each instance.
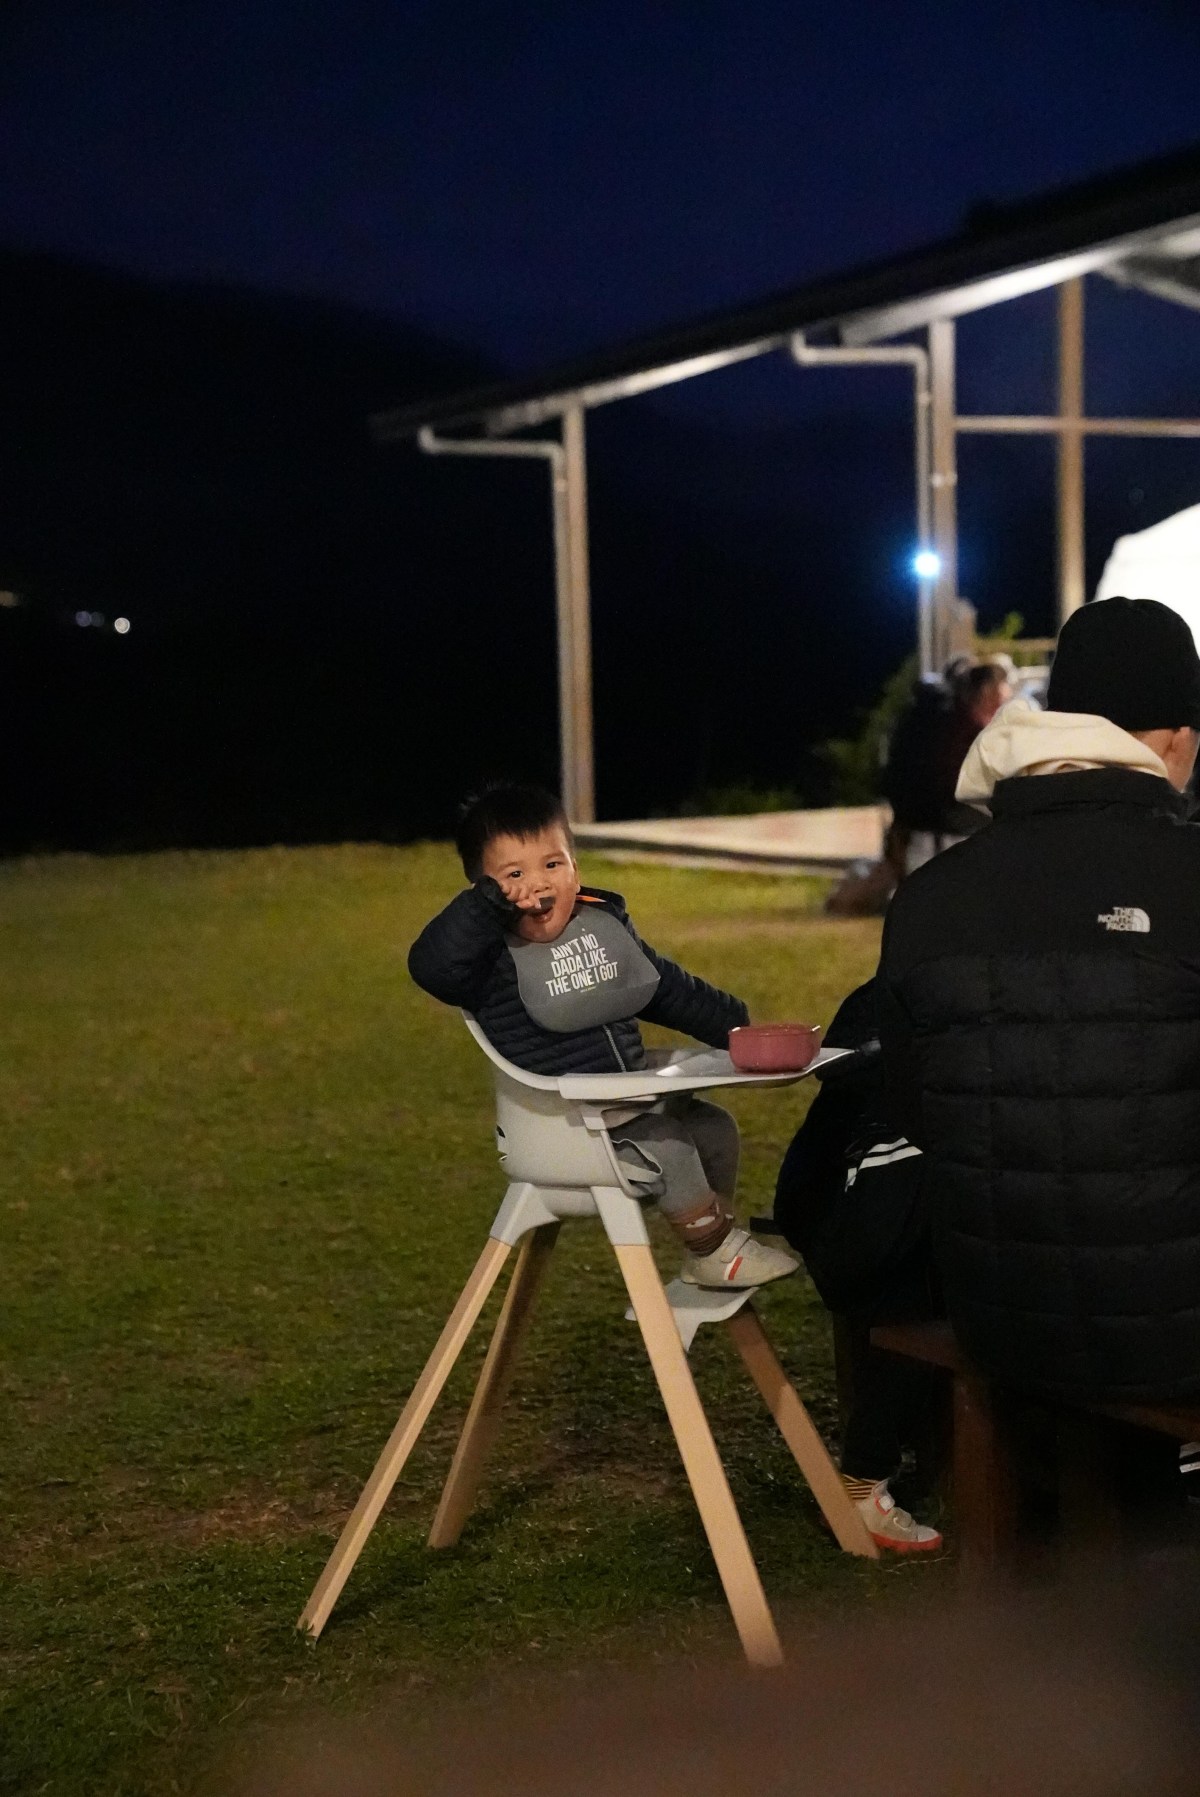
(545, 1081)
(541, 1136)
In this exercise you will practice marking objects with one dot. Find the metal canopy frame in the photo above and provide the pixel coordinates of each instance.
(566, 460)
(1140, 228)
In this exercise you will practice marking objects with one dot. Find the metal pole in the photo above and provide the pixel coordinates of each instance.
(574, 624)
(922, 453)
(906, 355)
(1009, 424)
(944, 481)
(1070, 448)
(568, 497)
(562, 627)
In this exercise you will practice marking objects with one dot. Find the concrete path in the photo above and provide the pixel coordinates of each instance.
(820, 842)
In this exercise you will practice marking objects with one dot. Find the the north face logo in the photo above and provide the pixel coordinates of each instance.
(1125, 917)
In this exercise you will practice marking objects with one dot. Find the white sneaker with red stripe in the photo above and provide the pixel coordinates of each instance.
(891, 1527)
(740, 1262)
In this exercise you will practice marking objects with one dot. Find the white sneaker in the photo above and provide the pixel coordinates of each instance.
(739, 1263)
(891, 1527)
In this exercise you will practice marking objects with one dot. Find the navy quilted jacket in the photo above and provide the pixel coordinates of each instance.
(1040, 1019)
(461, 957)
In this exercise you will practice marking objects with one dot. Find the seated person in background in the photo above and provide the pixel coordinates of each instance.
(926, 752)
(849, 1199)
(1040, 1020)
(557, 977)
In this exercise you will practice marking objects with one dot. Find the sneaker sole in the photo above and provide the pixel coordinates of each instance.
(891, 1546)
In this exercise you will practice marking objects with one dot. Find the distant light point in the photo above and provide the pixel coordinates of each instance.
(121, 626)
(927, 564)
(83, 619)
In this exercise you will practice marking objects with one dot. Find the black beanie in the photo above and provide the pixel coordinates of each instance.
(1132, 661)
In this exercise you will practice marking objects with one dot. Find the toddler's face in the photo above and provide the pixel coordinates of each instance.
(538, 874)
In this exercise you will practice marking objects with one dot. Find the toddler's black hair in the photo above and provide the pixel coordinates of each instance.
(504, 808)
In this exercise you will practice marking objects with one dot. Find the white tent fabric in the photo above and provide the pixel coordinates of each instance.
(1160, 563)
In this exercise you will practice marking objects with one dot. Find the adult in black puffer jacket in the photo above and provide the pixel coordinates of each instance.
(461, 958)
(1040, 995)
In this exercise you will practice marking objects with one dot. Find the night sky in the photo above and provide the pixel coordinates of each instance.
(524, 182)
(535, 179)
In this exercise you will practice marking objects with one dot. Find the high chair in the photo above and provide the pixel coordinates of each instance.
(561, 1164)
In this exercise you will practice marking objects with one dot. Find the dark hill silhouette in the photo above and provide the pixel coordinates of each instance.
(197, 459)
(329, 639)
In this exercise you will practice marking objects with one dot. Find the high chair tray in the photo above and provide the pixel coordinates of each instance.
(689, 1072)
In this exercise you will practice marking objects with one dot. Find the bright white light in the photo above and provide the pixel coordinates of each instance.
(927, 564)
(83, 619)
(121, 626)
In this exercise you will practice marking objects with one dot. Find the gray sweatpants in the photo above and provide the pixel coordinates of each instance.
(680, 1153)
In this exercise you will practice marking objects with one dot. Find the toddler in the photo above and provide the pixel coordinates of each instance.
(557, 977)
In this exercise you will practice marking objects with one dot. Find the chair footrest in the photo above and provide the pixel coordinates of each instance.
(692, 1305)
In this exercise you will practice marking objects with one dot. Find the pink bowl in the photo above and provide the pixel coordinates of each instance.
(774, 1047)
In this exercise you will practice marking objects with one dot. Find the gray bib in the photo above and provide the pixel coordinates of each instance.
(594, 974)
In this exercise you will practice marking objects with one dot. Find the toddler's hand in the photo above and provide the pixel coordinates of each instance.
(521, 898)
(538, 906)
(498, 899)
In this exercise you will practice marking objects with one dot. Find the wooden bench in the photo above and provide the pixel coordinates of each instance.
(983, 1464)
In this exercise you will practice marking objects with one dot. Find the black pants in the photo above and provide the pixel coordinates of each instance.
(893, 1402)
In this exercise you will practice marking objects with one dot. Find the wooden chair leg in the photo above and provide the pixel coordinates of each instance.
(799, 1431)
(698, 1451)
(483, 1418)
(403, 1437)
(985, 1485)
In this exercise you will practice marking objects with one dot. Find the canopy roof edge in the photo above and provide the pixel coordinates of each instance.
(1141, 225)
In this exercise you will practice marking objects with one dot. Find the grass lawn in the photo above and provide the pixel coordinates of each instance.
(247, 1167)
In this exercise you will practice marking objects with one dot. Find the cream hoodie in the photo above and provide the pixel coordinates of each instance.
(1023, 740)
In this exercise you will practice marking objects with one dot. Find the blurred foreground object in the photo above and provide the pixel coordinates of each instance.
(1081, 1697)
